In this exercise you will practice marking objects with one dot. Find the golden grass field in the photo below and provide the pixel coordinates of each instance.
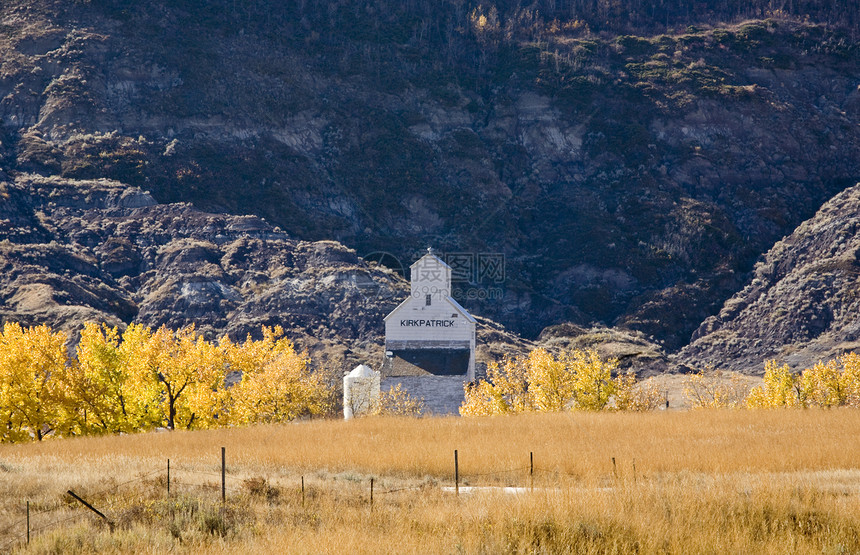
(736, 481)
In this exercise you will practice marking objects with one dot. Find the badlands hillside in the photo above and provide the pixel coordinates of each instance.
(642, 169)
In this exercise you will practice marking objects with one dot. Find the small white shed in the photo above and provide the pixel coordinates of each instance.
(360, 391)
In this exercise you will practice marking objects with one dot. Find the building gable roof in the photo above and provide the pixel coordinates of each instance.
(457, 306)
(433, 256)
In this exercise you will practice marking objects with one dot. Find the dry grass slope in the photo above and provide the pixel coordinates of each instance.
(704, 481)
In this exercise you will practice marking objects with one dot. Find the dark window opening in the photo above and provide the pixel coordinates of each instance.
(439, 362)
(427, 300)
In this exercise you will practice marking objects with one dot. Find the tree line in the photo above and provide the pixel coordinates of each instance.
(835, 383)
(426, 18)
(578, 379)
(142, 378)
(581, 380)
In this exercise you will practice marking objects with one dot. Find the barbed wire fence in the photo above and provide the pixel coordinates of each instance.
(175, 481)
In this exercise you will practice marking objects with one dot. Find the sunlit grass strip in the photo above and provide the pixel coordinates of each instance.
(706, 481)
(678, 515)
(578, 444)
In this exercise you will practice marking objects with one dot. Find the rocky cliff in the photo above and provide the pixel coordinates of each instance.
(102, 251)
(628, 180)
(76, 251)
(803, 303)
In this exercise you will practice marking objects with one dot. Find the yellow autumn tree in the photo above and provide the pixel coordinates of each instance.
(482, 398)
(505, 391)
(575, 380)
(850, 379)
(247, 359)
(95, 384)
(32, 363)
(277, 383)
(190, 374)
(781, 388)
(821, 384)
(552, 381)
(833, 383)
(592, 385)
(139, 355)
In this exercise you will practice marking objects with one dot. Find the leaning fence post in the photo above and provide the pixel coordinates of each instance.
(93, 509)
(634, 471)
(456, 474)
(614, 469)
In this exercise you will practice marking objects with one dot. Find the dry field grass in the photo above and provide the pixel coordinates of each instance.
(704, 482)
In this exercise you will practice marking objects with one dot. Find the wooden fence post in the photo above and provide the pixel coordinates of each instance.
(28, 521)
(93, 509)
(371, 494)
(456, 474)
(168, 478)
(531, 470)
(223, 475)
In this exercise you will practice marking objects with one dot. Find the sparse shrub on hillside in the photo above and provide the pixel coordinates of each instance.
(398, 402)
(715, 389)
(541, 382)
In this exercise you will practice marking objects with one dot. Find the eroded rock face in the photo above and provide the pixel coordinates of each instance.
(77, 251)
(803, 303)
(628, 182)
